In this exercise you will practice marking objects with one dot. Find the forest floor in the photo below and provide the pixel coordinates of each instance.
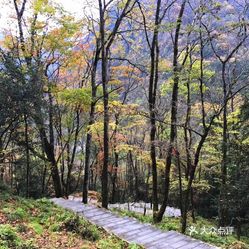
(32, 224)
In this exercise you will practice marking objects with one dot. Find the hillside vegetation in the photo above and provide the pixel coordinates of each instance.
(32, 224)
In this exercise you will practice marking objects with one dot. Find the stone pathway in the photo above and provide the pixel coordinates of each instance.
(132, 230)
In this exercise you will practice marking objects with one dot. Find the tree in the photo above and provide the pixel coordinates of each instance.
(174, 103)
(106, 43)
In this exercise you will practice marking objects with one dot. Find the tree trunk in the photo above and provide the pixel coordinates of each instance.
(191, 178)
(71, 161)
(105, 48)
(49, 151)
(114, 180)
(223, 199)
(91, 122)
(154, 57)
(116, 158)
(104, 66)
(27, 157)
(44, 174)
(174, 108)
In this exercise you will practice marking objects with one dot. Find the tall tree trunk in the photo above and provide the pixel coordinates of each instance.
(71, 161)
(154, 57)
(116, 158)
(174, 107)
(187, 133)
(48, 149)
(106, 43)
(180, 181)
(191, 177)
(104, 77)
(223, 199)
(91, 122)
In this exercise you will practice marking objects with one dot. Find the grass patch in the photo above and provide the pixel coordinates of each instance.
(38, 228)
(114, 243)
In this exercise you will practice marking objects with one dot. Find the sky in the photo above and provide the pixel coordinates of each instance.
(74, 6)
(77, 6)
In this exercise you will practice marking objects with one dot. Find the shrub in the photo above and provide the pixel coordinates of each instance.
(21, 228)
(8, 237)
(72, 224)
(81, 227)
(14, 215)
(89, 232)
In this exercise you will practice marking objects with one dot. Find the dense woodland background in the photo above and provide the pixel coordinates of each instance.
(140, 100)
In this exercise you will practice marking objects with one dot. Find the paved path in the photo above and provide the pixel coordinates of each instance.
(132, 230)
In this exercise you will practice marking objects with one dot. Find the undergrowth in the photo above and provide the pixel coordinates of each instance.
(33, 224)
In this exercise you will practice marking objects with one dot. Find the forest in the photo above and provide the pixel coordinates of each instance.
(134, 100)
